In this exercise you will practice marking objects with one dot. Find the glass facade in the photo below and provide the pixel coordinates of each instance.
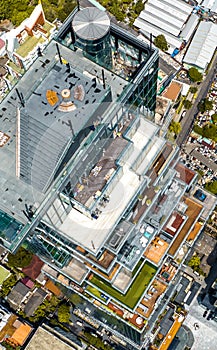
(98, 50)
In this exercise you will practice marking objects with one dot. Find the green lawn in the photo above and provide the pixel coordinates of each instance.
(28, 45)
(134, 292)
(3, 274)
(94, 291)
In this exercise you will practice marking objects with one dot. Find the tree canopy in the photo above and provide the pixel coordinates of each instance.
(209, 131)
(194, 74)
(139, 6)
(187, 104)
(214, 118)
(205, 105)
(212, 187)
(21, 258)
(193, 89)
(175, 127)
(194, 262)
(161, 43)
(63, 313)
(17, 10)
(7, 285)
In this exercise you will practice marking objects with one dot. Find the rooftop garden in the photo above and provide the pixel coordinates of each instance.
(28, 45)
(136, 290)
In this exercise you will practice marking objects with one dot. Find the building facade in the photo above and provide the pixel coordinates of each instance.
(97, 191)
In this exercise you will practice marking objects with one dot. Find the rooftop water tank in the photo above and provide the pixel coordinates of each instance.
(91, 28)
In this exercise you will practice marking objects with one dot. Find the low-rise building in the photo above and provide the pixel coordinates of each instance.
(46, 338)
(202, 46)
(17, 295)
(28, 40)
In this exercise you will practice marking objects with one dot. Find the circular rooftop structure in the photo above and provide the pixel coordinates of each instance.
(91, 23)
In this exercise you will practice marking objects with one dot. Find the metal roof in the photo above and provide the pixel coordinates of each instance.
(167, 18)
(91, 23)
(210, 4)
(203, 45)
(189, 28)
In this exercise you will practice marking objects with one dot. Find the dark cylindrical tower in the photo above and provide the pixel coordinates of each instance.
(92, 34)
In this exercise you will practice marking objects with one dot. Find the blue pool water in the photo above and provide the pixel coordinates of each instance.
(147, 234)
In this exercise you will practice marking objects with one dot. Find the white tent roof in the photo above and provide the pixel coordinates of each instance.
(188, 30)
(167, 17)
(203, 45)
(159, 22)
(210, 4)
(173, 8)
(147, 28)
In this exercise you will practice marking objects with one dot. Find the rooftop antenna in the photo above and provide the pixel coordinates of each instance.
(151, 40)
(116, 43)
(93, 245)
(72, 35)
(58, 51)
(20, 96)
(103, 78)
(140, 56)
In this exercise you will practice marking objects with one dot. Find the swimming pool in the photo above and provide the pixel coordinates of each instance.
(147, 234)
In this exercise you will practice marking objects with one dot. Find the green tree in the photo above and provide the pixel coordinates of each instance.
(9, 347)
(194, 74)
(21, 258)
(212, 187)
(187, 104)
(198, 129)
(210, 131)
(17, 10)
(7, 285)
(214, 118)
(96, 342)
(205, 105)
(139, 7)
(63, 313)
(175, 127)
(161, 43)
(193, 89)
(194, 262)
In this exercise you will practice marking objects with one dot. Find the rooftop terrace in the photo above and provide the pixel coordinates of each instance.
(174, 223)
(67, 100)
(28, 45)
(156, 250)
(193, 211)
(185, 174)
(136, 290)
(125, 185)
(153, 293)
(127, 52)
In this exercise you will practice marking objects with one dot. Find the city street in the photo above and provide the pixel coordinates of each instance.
(188, 120)
(205, 334)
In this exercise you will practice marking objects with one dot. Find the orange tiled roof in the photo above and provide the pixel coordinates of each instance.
(53, 288)
(21, 334)
(173, 91)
